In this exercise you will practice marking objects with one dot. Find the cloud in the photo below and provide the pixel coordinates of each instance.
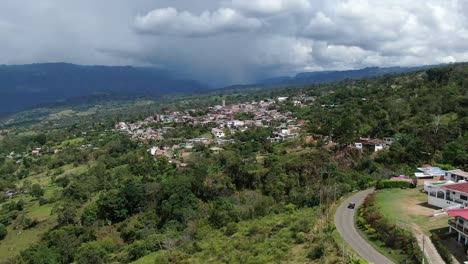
(235, 41)
(168, 21)
(269, 7)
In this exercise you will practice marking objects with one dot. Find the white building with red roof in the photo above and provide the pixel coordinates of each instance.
(459, 224)
(449, 195)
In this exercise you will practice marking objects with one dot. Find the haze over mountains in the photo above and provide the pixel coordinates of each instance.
(24, 86)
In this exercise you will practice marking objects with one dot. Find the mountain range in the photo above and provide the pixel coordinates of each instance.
(26, 86)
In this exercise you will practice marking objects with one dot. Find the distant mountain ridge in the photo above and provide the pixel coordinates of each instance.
(32, 85)
(23, 86)
(305, 78)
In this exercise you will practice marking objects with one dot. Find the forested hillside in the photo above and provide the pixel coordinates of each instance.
(85, 193)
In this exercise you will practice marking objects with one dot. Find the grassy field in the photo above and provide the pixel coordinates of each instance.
(69, 142)
(408, 207)
(20, 239)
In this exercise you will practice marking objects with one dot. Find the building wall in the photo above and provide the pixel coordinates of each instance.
(441, 203)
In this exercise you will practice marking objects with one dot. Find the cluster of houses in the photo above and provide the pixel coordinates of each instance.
(224, 119)
(448, 190)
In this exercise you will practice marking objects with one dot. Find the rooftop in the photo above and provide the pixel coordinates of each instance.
(431, 171)
(463, 213)
(458, 187)
(459, 173)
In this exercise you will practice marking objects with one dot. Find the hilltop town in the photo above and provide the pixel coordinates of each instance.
(224, 121)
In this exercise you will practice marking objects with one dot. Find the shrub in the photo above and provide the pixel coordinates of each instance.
(301, 237)
(91, 252)
(387, 184)
(29, 223)
(316, 252)
(137, 250)
(36, 190)
(3, 231)
(231, 229)
(43, 201)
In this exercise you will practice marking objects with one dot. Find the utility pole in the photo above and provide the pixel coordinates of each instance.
(423, 242)
(321, 200)
(343, 249)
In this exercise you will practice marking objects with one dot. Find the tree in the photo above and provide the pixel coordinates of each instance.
(89, 215)
(91, 252)
(36, 190)
(66, 214)
(39, 254)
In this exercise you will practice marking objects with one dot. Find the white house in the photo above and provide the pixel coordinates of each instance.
(459, 225)
(374, 144)
(449, 195)
(456, 175)
(218, 133)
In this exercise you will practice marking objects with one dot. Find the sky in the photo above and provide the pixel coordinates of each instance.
(235, 41)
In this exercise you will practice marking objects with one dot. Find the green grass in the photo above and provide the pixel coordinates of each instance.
(18, 240)
(409, 207)
(70, 142)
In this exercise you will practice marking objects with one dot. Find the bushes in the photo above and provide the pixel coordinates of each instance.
(316, 252)
(379, 228)
(387, 184)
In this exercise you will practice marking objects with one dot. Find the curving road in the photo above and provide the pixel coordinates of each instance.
(344, 222)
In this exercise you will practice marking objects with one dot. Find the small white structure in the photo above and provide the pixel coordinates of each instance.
(235, 123)
(282, 99)
(122, 126)
(218, 133)
(153, 151)
(374, 144)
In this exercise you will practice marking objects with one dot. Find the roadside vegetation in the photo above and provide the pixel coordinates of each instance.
(392, 240)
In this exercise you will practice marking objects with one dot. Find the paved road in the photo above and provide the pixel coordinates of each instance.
(344, 222)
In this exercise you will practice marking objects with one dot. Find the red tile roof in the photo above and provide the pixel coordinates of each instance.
(459, 187)
(463, 213)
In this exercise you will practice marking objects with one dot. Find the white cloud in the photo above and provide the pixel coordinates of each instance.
(280, 50)
(269, 7)
(168, 21)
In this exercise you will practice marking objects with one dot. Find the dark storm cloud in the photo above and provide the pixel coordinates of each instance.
(235, 40)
